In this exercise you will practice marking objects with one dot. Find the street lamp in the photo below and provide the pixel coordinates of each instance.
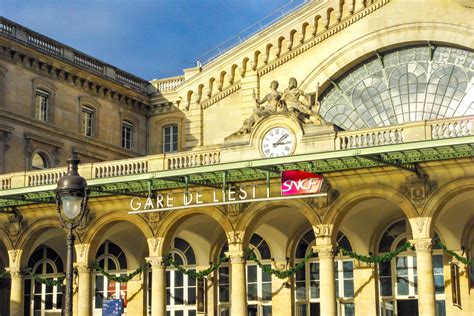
(71, 200)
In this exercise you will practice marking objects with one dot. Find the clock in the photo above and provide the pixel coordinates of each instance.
(277, 142)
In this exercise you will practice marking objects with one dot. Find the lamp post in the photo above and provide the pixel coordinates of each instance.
(71, 200)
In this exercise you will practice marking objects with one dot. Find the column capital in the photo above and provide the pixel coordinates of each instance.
(157, 262)
(154, 246)
(14, 272)
(324, 251)
(422, 244)
(83, 267)
(82, 253)
(14, 256)
(236, 256)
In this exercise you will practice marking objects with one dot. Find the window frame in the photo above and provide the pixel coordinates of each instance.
(131, 142)
(173, 142)
(92, 112)
(43, 95)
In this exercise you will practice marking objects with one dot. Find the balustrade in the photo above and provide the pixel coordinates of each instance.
(121, 168)
(453, 128)
(178, 161)
(369, 138)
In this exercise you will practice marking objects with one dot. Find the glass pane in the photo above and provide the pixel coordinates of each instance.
(300, 290)
(48, 301)
(386, 286)
(301, 310)
(192, 295)
(314, 289)
(440, 308)
(349, 309)
(348, 288)
(438, 264)
(252, 292)
(252, 273)
(223, 293)
(314, 309)
(252, 310)
(439, 284)
(266, 277)
(178, 278)
(178, 296)
(266, 291)
(267, 310)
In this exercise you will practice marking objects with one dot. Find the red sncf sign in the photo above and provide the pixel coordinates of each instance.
(300, 182)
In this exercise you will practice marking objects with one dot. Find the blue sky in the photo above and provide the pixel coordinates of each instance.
(149, 38)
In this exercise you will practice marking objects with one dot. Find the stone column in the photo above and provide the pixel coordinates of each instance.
(84, 294)
(16, 292)
(238, 288)
(426, 289)
(158, 286)
(326, 280)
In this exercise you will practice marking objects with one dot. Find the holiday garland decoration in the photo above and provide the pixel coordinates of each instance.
(192, 273)
(121, 278)
(4, 275)
(281, 274)
(375, 259)
(58, 281)
(455, 255)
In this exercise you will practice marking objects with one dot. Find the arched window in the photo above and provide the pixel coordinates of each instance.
(223, 289)
(307, 291)
(180, 288)
(402, 85)
(113, 260)
(42, 299)
(39, 162)
(259, 283)
(398, 279)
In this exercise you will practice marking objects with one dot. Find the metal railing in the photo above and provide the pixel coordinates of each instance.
(249, 31)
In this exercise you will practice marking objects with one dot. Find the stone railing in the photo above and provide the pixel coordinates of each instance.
(168, 84)
(5, 183)
(369, 138)
(120, 168)
(43, 177)
(456, 127)
(50, 46)
(187, 160)
(407, 133)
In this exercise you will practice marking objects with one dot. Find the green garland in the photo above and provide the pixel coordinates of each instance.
(4, 275)
(250, 255)
(455, 255)
(122, 278)
(48, 281)
(192, 273)
(375, 259)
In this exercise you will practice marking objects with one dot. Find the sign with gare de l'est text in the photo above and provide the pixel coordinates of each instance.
(294, 184)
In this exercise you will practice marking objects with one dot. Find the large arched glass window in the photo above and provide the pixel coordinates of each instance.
(307, 291)
(41, 299)
(402, 85)
(223, 289)
(398, 278)
(180, 288)
(113, 260)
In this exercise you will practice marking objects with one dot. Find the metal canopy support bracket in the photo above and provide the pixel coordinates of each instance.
(412, 167)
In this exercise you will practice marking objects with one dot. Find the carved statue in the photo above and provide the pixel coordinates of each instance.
(288, 103)
(303, 111)
(274, 104)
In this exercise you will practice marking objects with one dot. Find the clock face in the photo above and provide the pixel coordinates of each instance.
(277, 142)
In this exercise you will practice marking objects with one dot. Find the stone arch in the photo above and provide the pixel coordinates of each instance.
(104, 222)
(32, 232)
(173, 219)
(5, 240)
(360, 48)
(442, 196)
(350, 198)
(256, 210)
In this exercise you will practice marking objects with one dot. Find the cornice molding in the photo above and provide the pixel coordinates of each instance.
(66, 74)
(221, 95)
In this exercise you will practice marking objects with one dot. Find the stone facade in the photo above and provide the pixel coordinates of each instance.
(390, 178)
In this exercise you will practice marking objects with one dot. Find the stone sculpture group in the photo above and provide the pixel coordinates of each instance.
(292, 102)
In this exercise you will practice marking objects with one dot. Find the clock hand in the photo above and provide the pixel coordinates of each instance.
(280, 140)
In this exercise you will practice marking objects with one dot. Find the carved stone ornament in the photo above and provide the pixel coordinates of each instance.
(156, 262)
(324, 252)
(322, 203)
(234, 211)
(293, 102)
(14, 256)
(15, 226)
(153, 244)
(422, 244)
(234, 237)
(83, 268)
(153, 219)
(420, 223)
(418, 188)
(81, 250)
